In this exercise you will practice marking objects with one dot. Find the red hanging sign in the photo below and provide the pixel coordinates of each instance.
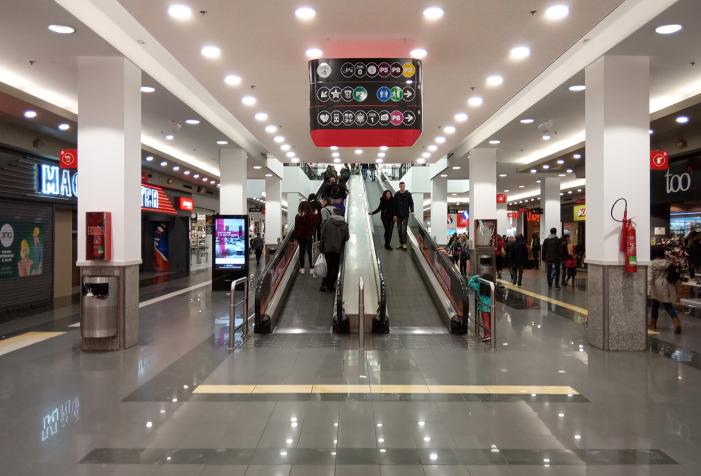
(68, 159)
(659, 160)
(186, 203)
(501, 198)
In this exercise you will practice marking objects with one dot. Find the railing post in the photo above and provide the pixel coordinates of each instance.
(361, 314)
(492, 317)
(232, 310)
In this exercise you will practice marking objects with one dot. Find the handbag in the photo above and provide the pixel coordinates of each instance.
(320, 266)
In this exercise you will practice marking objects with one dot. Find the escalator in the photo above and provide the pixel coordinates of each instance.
(425, 293)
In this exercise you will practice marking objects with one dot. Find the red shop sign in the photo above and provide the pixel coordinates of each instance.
(68, 159)
(186, 203)
(501, 198)
(659, 160)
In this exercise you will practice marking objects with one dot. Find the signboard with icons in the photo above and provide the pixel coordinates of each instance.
(365, 102)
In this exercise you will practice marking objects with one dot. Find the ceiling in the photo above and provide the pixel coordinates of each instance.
(468, 44)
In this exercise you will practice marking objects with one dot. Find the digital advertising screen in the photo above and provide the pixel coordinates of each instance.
(230, 242)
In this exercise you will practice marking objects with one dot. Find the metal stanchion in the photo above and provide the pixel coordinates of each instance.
(361, 314)
(232, 311)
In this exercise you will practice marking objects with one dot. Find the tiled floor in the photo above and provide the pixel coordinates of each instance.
(139, 412)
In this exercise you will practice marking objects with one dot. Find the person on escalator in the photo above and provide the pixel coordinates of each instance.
(334, 234)
(386, 211)
(345, 175)
(305, 223)
(403, 207)
(316, 207)
(326, 212)
(484, 301)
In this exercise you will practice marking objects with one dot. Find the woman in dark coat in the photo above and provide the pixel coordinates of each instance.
(386, 211)
(518, 258)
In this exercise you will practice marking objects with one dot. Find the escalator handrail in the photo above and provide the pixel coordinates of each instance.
(338, 295)
(455, 275)
(379, 274)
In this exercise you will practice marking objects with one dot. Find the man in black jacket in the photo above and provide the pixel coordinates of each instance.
(403, 207)
(334, 234)
(551, 250)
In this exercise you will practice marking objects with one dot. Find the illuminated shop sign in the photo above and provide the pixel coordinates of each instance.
(149, 197)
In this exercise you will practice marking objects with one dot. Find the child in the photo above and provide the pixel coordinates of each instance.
(484, 304)
(571, 267)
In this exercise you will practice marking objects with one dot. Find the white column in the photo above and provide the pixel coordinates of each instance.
(439, 209)
(502, 218)
(418, 198)
(234, 173)
(618, 148)
(109, 152)
(273, 209)
(483, 184)
(550, 203)
(292, 205)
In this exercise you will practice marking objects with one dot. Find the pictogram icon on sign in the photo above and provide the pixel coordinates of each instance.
(397, 118)
(336, 118)
(408, 93)
(324, 118)
(409, 118)
(384, 70)
(373, 118)
(360, 70)
(335, 93)
(396, 70)
(322, 94)
(323, 70)
(360, 94)
(384, 93)
(347, 94)
(348, 118)
(408, 70)
(347, 70)
(659, 160)
(360, 117)
(397, 94)
(68, 158)
(372, 70)
(385, 117)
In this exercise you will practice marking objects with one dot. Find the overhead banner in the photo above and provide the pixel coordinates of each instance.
(358, 102)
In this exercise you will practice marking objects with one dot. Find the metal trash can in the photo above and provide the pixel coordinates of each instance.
(99, 306)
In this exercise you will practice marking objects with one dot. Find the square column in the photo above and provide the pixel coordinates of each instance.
(293, 200)
(418, 198)
(273, 210)
(439, 209)
(483, 184)
(233, 166)
(550, 202)
(502, 218)
(109, 151)
(618, 147)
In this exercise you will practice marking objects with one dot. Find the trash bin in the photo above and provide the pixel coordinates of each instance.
(99, 306)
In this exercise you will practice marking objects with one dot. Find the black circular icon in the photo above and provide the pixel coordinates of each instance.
(360, 117)
(348, 118)
(324, 118)
(335, 93)
(360, 70)
(409, 118)
(347, 70)
(385, 117)
(373, 117)
(322, 94)
(396, 70)
(347, 94)
(336, 118)
(409, 93)
(372, 70)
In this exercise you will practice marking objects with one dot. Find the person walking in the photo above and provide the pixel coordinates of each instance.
(345, 175)
(535, 249)
(257, 244)
(334, 234)
(403, 207)
(564, 253)
(500, 252)
(305, 223)
(386, 211)
(661, 288)
(464, 255)
(551, 255)
(518, 259)
(316, 208)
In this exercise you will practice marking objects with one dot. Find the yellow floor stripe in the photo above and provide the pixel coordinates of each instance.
(25, 340)
(526, 292)
(374, 389)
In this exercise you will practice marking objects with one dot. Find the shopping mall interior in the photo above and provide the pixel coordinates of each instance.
(312, 238)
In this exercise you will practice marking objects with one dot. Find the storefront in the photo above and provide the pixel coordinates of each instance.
(201, 239)
(675, 198)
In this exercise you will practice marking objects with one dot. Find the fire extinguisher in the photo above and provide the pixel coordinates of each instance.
(628, 243)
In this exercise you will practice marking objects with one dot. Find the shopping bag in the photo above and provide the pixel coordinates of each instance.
(320, 266)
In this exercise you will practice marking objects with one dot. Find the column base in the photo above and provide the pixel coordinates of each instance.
(127, 309)
(617, 307)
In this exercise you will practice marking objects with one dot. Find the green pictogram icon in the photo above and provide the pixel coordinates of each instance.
(397, 94)
(360, 94)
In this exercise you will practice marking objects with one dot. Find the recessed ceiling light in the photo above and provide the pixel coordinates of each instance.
(335, 154)
(521, 186)
(164, 163)
(333, 147)
(494, 142)
(577, 156)
(358, 151)
(546, 167)
(180, 12)
(148, 89)
(381, 155)
(418, 53)
(577, 88)
(196, 176)
(579, 190)
(433, 13)
(560, 161)
(444, 175)
(537, 181)
(562, 175)
(494, 80)
(546, 137)
(383, 148)
(507, 190)
(285, 147)
(64, 127)
(268, 175)
(449, 129)
(379, 160)
(420, 160)
(527, 121)
(30, 114)
(290, 154)
(248, 101)
(569, 192)
(170, 137)
(271, 129)
(432, 148)
(502, 175)
(314, 53)
(440, 140)
(279, 139)
(682, 119)
(475, 101)
(520, 52)
(460, 117)
(222, 142)
(204, 179)
(668, 29)
(261, 117)
(176, 168)
(534, 171)
(211, 51)
(336, 160)
(569, 171)
(426, 155)
(650, 131)
(62, 29)
(557, 12)
(232, 79)
(187, 172)
(305, 13)
(457, 167)
(192, 122)
(149, 158)
(294, 160)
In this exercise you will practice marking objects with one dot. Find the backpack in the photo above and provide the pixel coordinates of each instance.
(672, 274)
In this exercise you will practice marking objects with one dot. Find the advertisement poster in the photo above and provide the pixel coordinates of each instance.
(21, 249)
(229, 242)
(160, 247)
